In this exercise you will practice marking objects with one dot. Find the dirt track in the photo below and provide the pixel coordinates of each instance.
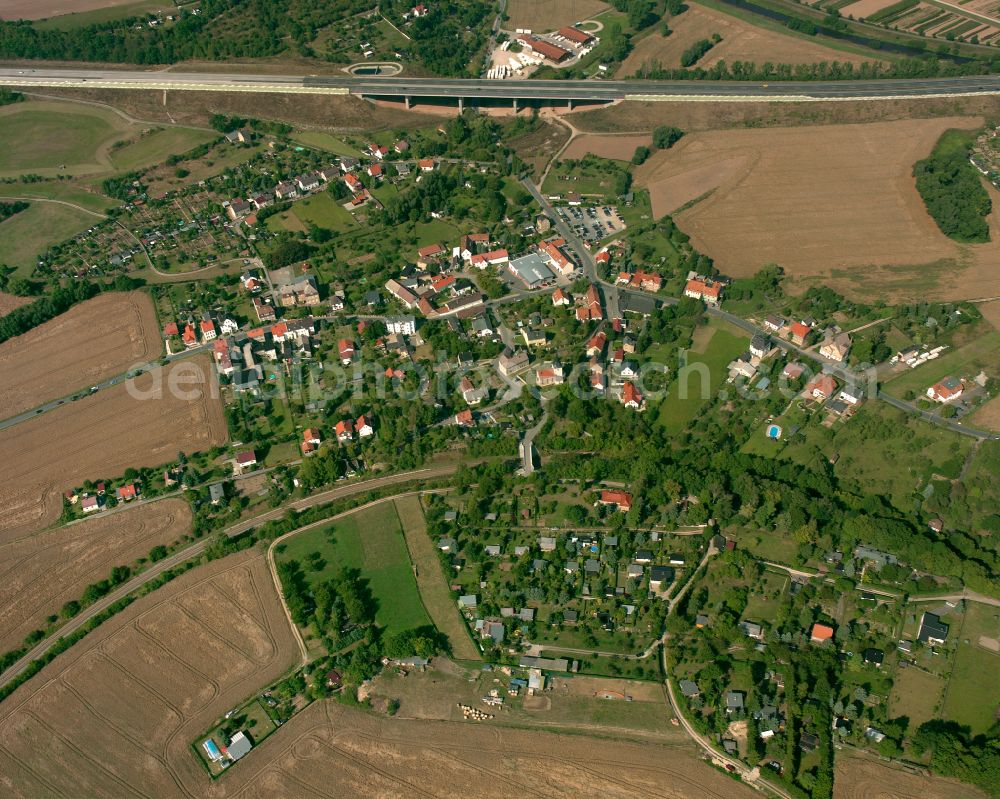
(40, 573)
(834, 204)
(100, 436)
(91, 342)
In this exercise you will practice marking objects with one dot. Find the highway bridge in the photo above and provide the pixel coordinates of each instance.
(408, 89)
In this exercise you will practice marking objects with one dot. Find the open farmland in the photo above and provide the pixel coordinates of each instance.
(91, 342)
(42, 9)
(40, 573)
(741, 41)
(102, 435)
(834, 204)
(857, 777)
(548, 15)
(8, 302)
(113, 717)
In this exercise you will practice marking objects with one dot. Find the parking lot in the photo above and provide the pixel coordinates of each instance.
(593, 224)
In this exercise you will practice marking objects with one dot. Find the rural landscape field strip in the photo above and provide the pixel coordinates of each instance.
(41, 572)
(835, 202)
(100, 435)
(430, 579)
(95, 340)
(120, 709)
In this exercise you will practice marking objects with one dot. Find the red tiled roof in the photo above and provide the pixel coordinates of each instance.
(821, 632)
(623, 499)
(430, 249)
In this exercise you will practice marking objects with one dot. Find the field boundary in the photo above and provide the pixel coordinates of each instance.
(423, 554)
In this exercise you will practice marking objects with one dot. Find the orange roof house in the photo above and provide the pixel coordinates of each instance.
(621, 499)
(821, 633)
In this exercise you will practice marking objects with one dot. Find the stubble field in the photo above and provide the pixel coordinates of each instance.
(618, 148)
(114, 716)
(548, 15)
(741, 41)
(834, 204)
(857, 777)
(40, 573)
(41, 9)
(101, 436)
(91, 342)
(8, 302)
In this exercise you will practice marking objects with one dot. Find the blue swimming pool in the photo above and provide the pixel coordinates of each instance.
(773, 431)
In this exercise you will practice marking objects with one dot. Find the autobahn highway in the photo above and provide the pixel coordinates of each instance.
(473, 89)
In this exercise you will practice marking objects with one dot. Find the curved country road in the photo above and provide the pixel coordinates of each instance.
(196, 549)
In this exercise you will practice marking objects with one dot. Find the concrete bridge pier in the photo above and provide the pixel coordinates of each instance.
(409, 102)
(515, 105)
(461, 104)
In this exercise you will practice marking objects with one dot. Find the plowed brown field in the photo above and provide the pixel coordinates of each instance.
(115, 716)
(741, 41)
(91, 342)
(99, 436)
(39, 573)
(860, 778)
(836, 205)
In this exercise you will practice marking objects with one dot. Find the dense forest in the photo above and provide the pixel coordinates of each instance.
(953, 190)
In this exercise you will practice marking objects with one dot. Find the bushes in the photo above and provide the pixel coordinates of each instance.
(691, 55)
(952, 190)
(665, 137)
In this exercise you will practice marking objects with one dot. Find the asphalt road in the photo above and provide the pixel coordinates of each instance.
(197, 548)
(85, 391)
(593, 90)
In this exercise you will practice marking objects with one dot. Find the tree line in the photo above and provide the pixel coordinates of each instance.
(952, 189)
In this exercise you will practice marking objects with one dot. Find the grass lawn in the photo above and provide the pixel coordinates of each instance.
(590, 180)
(972, 698)
(43, 136)
(28, 234)
(763, 604)
(323, 211)
(324, 141)
(372, 542)
(684, 399)
(964, 361)
(915, 694)
(157, 146)
(602, 666)
(437, 231)
(67, 192)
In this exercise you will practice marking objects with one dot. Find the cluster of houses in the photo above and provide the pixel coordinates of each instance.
(241, 357)
(91, 502)
(592, 567)
(192, 332)
(347, 170)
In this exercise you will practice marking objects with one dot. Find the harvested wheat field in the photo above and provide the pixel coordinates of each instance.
(91, 342)
(42, 9)
(115, 715)
(42, 572)
(549, 15)
(741, 41)
(857, 777)
(618, 148)
(102, 435)
(8, 302)
(834, 204)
